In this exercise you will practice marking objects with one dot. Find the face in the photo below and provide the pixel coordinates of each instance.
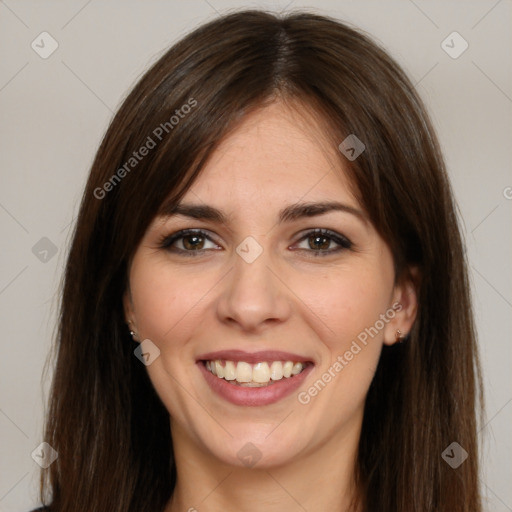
(288, 306)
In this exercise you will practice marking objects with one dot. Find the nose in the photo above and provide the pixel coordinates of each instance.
(253, 297)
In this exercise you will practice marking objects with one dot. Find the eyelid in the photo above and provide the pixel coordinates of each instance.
(166, 241)
(342, 241)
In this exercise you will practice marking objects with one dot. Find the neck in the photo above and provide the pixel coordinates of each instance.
(320, 480)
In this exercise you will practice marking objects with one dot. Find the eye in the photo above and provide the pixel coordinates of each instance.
(187, 241)
(193, 242)
(319, 241)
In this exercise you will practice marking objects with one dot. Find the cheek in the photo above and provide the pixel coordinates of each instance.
(166, 301)
(348, 302)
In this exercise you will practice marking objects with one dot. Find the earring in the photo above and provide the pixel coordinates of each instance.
(398, 336)
(133, 334)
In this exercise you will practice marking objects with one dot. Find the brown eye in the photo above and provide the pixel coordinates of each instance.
(193, 242)
(319, 241)
(188, 242)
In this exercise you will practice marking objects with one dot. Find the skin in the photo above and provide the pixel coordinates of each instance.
(287, 299)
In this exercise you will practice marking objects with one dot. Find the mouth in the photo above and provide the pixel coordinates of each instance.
(264, 373)
(254, 379)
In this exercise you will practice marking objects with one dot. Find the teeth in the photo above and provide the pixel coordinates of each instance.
(257, 375)
(297, 368)
(243, 372)
(287, 369)
(219, 370)
(230, 371)
(261, 373)
(276, 370)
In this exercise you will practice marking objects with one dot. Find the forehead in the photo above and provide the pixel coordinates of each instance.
(277, 154)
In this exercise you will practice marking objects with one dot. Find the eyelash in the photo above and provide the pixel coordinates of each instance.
(167, 241)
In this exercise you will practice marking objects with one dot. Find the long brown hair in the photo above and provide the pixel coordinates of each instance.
(105, 420)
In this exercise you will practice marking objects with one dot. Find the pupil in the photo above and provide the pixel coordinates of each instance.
(324, 245)
(196, 241)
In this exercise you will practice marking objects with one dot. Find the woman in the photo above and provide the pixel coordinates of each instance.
(266, 303)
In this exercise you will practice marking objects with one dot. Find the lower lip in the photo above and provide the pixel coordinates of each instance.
(241, 395)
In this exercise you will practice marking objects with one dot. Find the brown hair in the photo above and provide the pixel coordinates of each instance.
(105, 420)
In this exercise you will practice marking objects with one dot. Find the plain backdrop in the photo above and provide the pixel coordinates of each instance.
(54, 111)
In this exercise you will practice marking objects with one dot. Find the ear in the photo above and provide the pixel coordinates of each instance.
(129, 312)
(404, 304)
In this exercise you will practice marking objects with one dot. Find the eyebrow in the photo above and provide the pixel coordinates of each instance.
(288, 214)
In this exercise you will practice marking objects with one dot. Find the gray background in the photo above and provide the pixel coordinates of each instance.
(55, 111)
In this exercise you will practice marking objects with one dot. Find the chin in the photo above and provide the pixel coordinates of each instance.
(253, 448)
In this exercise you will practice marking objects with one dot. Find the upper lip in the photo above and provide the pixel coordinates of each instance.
(253, 357)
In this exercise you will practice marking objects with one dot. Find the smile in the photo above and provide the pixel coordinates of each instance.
(253, 379)
(260, 374)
